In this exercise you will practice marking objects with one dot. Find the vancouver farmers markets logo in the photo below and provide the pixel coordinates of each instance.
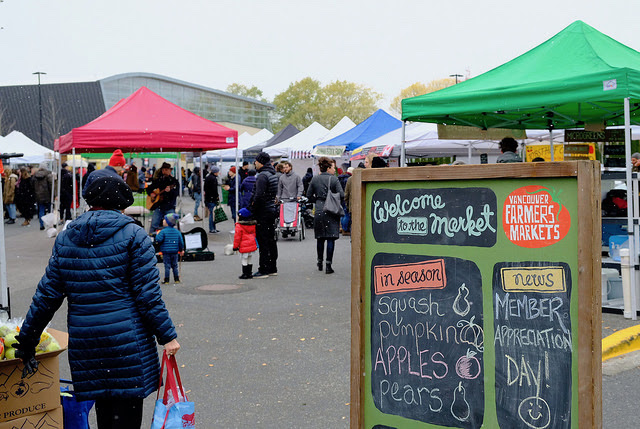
(533, 217)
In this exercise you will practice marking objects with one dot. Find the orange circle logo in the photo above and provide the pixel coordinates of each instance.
(534, 217)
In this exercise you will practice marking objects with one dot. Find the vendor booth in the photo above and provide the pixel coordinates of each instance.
(578, 79)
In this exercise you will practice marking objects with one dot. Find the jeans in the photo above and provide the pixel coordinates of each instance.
(157, 218)
(170, 261)
(43, 209)
(345, 221)
(11, 211)
(212, 222)
(197, 196)
(331, 243)
(232, 206)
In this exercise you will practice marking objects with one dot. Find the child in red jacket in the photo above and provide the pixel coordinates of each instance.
(244, 241)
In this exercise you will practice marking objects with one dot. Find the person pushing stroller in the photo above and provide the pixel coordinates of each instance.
(244, 240)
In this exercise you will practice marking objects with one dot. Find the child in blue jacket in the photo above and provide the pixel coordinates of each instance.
(171, 245)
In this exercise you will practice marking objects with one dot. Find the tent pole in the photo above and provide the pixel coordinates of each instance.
(4, 287)
(202, 189)
(551, 142)
(73, 182)
(236, 178)
(53, 182)
(631, 228)
(57, 202)
(403, 161)
(469, 153)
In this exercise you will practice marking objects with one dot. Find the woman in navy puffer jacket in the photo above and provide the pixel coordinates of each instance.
(105, 265)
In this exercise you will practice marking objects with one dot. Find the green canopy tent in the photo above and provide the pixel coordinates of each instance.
(577, 78)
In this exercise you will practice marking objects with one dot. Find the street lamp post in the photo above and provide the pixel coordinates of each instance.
(456, 76)
(40, 103)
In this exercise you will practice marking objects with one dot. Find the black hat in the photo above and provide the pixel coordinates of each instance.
(109, 193)
(165, 165)
(378, 162)
(263, 158)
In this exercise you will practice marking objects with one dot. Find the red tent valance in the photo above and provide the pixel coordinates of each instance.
(146, 122)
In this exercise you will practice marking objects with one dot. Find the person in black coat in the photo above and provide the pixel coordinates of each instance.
(212, 196)
(263, 207)
(165, 187)
(66, 193)
(104, 265)
(25, 196)
(307, 179)
(326, 225)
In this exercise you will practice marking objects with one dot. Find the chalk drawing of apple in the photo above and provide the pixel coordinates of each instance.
(468, 366)
(534, 412)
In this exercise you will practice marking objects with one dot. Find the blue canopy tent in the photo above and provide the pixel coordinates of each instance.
(376, 125)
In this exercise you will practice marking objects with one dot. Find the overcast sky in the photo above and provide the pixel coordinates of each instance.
(384, 44)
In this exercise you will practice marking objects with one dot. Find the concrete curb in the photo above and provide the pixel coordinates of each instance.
(621, 342)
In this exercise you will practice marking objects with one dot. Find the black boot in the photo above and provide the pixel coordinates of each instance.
(176, 280)
(329, 270)
(246, 272)
(319, 264)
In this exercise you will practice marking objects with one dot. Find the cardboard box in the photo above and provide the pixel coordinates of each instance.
(51, 419)
(41, 392)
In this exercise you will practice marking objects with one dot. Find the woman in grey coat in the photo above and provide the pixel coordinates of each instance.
(326, 226)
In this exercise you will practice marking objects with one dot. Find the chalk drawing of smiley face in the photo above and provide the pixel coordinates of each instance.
(534, 412)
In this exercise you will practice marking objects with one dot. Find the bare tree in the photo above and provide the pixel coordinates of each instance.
(52, 121)
(6, 124)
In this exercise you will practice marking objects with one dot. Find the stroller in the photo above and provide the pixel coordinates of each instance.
(290, 222)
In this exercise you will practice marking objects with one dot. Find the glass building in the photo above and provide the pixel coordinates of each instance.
(212, 104)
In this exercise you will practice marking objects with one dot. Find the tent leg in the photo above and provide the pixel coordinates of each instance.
(631, 229)
(551, 142)
(56, 206)
(403, 160)
(73, 181)
(4, 287)
(201, 190)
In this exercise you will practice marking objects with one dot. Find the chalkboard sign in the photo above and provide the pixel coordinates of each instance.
(470, 306)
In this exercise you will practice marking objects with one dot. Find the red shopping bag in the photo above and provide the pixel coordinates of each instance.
(173, 411)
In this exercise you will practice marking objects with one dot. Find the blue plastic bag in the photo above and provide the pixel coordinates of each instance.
(175, 411)
(76, 413)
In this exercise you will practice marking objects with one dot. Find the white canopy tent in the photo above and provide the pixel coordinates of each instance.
(245, 141)
(34, 153)
(304, 139)
(303, 151)
(421, 140)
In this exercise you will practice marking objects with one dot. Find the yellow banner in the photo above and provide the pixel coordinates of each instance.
(533, 279)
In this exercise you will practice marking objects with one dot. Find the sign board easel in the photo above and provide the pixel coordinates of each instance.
(476, 296)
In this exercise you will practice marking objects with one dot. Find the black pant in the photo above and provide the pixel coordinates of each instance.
(266, 236)
(331, 244)
(121, 413)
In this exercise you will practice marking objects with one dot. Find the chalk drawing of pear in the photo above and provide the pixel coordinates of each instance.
(534, 412)
(460, 407)
(460, 305)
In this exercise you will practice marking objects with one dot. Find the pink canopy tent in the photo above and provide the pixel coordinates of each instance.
(146, 122)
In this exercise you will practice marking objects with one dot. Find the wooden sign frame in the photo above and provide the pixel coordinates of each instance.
(586, 284)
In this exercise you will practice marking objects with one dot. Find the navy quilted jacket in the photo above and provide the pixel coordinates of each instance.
(105, 265)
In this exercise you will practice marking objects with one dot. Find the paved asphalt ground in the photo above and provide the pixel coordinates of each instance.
(275, 352)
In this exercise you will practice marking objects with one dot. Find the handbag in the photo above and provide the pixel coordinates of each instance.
(332, 202)
(75, 413)
(175, 411)
(219, 215)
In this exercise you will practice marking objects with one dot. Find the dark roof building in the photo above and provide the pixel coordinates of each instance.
(69, 105)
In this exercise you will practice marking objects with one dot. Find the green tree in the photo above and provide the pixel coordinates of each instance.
(299, 104)
(420, 88)
(244, 91)
(346, 98)
(306, 101)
